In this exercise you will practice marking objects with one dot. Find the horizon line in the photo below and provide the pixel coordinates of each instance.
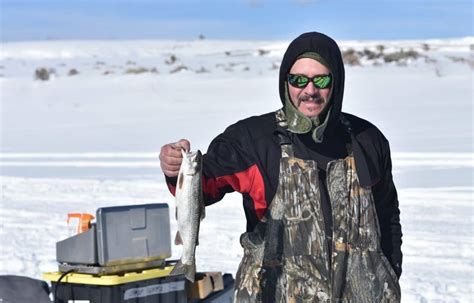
(220, 39)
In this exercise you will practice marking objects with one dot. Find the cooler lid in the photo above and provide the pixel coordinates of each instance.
(133, 233)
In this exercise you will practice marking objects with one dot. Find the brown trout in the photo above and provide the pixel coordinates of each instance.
(189, 212)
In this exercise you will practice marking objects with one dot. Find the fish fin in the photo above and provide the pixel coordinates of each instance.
(178, 240)
(189, 271)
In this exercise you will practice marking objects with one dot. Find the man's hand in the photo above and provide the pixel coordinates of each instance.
(171, 157)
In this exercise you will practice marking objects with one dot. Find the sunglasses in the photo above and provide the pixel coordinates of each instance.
(300, 81)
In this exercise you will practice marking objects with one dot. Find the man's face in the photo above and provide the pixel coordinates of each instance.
(309, 100)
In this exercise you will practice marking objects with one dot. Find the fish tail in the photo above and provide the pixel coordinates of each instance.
(188, 270)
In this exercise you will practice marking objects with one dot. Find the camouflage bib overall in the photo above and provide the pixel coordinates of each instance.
(286, 257)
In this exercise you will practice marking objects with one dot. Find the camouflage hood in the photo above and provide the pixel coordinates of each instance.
(328, 50)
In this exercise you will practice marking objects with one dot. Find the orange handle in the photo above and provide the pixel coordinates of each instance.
(84, 221)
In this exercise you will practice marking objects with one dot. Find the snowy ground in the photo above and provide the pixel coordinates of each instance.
(76, 143)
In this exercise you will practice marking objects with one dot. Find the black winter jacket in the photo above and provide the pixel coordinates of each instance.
(245, 158)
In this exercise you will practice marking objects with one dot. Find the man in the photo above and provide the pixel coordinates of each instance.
(321, 207)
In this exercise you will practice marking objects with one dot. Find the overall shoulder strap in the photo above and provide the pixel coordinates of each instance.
(367, 176)
(282, 132)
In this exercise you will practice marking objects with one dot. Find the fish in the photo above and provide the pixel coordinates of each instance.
(190, 210)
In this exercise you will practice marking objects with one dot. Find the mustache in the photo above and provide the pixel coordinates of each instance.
(317, 98)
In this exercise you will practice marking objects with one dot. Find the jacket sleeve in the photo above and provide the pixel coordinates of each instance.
(229, 165)
(386, 203)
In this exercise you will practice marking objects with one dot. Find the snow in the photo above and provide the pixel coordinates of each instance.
(76, 143)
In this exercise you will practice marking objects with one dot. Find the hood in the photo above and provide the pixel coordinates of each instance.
(329, 51)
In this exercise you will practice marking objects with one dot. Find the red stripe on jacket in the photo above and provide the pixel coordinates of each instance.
(248, 181)
(171, 188)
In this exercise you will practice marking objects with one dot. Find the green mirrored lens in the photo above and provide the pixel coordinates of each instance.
(322, 81)
(295, 80)
(301, 81)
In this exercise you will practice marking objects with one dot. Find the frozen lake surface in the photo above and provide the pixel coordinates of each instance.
(76, 143)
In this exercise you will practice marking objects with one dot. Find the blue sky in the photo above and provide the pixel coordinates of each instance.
(238, 19)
